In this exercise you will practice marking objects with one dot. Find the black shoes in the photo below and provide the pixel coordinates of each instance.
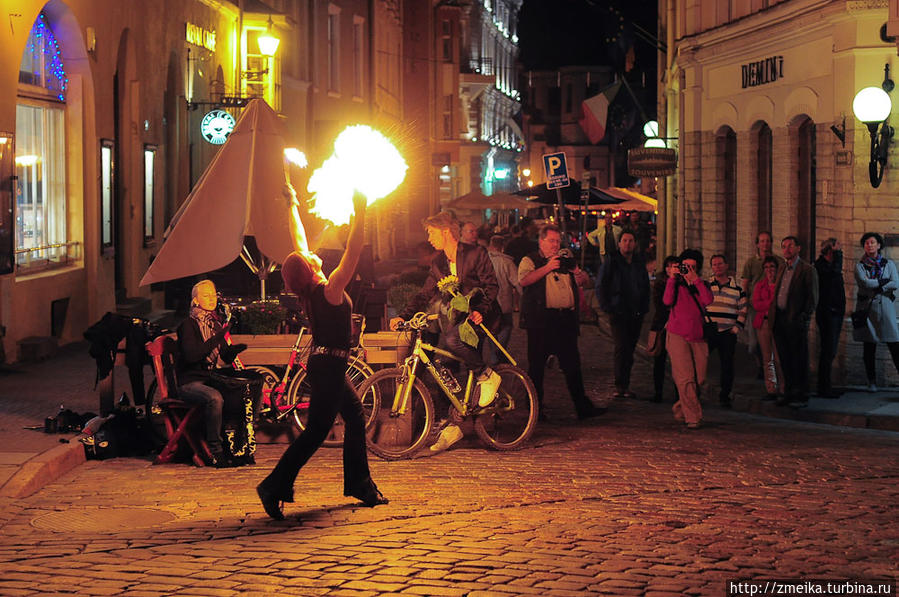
(588, 411)
(368, 494)
(220, 460)
(270, 502)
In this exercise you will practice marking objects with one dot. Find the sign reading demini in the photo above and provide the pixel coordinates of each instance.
(763, 71)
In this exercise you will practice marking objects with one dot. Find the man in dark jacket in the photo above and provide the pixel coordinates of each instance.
(472, 266)
(623, 289)
(830, 312)
(796, 296)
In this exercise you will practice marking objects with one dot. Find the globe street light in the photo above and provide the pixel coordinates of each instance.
(872, 106)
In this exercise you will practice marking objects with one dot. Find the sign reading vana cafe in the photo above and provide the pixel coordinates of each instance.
(196, 35)
(761, 72)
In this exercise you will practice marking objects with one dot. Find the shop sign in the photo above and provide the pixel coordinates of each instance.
(651, 161)
(216, 126)
(196, 35)
(763, 71)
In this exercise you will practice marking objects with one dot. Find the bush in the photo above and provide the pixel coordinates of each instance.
(263, 317)
(399, 295)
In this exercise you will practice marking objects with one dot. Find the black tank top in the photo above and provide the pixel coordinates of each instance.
(331, 325)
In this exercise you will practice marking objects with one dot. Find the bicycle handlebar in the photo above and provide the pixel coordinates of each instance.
(419, 321)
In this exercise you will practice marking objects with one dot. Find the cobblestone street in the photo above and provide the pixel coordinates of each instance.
(630, 503)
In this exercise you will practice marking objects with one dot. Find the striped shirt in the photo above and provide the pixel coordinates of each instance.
(729, 307)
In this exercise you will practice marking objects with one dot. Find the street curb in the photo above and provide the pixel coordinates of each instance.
(44, 469)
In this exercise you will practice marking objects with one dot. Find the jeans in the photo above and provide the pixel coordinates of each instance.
(197, 392)
(331, 393)
(469, 354)
(829, 327)
(725, 343)
(492, 354)
(625, 333)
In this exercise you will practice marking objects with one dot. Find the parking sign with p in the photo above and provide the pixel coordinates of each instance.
(556, 170)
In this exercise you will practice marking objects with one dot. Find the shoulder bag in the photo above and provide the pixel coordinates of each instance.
(709, 327)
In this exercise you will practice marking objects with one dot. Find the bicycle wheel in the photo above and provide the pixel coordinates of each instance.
(509, 421)
(298, 393)
(270, 378)
(392, 435)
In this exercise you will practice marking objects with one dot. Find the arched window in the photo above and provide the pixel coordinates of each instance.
(40, 209)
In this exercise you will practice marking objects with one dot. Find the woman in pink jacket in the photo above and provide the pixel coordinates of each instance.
(762, 297)
(689, 353)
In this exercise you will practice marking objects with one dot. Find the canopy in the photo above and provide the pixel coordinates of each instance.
(477, 200)
(624, 200)
(239, 194)
(615, 198)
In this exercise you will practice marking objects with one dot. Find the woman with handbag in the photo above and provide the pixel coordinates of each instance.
(687, 295)
(655, 345)
(762, 297)
(874, 319)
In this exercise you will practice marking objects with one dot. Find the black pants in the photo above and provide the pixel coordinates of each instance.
(829, 327)
(791, 339)
(331, 393)
(559, 337)
(869, 353)
(625, 333)
(725, 343)
(469, 354)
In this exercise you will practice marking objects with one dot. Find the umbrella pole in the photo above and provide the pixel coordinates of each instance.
(562, 217)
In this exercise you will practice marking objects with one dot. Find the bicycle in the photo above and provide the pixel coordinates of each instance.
(401, 425)
(287, 393)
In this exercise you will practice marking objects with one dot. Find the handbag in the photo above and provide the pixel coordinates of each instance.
(655, 342)
(709, 327)
(860, 318)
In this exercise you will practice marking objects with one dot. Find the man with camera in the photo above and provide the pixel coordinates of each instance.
(550, 301)
(623, 289)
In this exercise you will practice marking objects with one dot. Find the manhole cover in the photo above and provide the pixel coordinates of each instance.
(101, 520)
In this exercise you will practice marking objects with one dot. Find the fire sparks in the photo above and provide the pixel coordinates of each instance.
(364, 160)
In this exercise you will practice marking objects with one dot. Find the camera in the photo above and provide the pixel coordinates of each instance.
(567, 262)
(683, 269)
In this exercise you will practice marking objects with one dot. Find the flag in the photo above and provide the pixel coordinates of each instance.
(595, 110)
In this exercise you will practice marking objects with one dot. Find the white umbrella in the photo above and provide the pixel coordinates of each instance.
(239, 194)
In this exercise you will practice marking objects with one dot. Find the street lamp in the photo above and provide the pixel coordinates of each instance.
(268, 43)
(872, 106)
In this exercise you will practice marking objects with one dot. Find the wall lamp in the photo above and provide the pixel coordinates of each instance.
(872, 105)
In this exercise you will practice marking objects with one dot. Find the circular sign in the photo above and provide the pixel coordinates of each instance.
(216, 126)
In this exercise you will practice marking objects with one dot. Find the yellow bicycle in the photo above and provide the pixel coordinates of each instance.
(404, 410)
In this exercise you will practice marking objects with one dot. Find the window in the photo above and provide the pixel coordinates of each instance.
(40, 206)
(446, 40)
(149, 191)
(358, 56)
(333, 49)
(448, 101)
(107, 182)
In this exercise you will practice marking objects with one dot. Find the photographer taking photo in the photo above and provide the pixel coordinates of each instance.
(550, 303)
(623, 290)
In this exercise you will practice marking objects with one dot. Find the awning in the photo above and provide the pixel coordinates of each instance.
(477, 200)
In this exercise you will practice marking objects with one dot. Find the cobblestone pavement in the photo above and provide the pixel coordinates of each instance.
(630, 503)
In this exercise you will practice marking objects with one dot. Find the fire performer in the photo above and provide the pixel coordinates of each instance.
(328, 308)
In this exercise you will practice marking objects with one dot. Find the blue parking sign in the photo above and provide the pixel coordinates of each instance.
(556, 170)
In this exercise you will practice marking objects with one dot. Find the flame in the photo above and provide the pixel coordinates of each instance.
(364, 160)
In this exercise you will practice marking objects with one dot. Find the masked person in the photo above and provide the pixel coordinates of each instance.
(202, 347)
(472, 266)
(328, 308)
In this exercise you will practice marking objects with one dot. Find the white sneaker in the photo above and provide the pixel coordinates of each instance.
(449, 436)
(488, 388)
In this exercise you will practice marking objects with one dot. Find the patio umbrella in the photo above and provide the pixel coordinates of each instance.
(239, 194)
(477, 200)
(571, 195)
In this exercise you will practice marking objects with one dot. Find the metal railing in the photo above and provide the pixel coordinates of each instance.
(53, 255)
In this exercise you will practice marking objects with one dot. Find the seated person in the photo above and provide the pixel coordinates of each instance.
(472, 266)
(202, 346)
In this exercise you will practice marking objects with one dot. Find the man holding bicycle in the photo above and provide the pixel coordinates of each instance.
(472, 266)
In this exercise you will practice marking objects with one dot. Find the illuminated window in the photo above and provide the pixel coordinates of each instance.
(40, 208)
(333, 49)
(107, 188)
(149, 191)
(358, 56)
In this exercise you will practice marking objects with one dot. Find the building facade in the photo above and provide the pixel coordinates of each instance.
(758, 96)
(106, 122)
